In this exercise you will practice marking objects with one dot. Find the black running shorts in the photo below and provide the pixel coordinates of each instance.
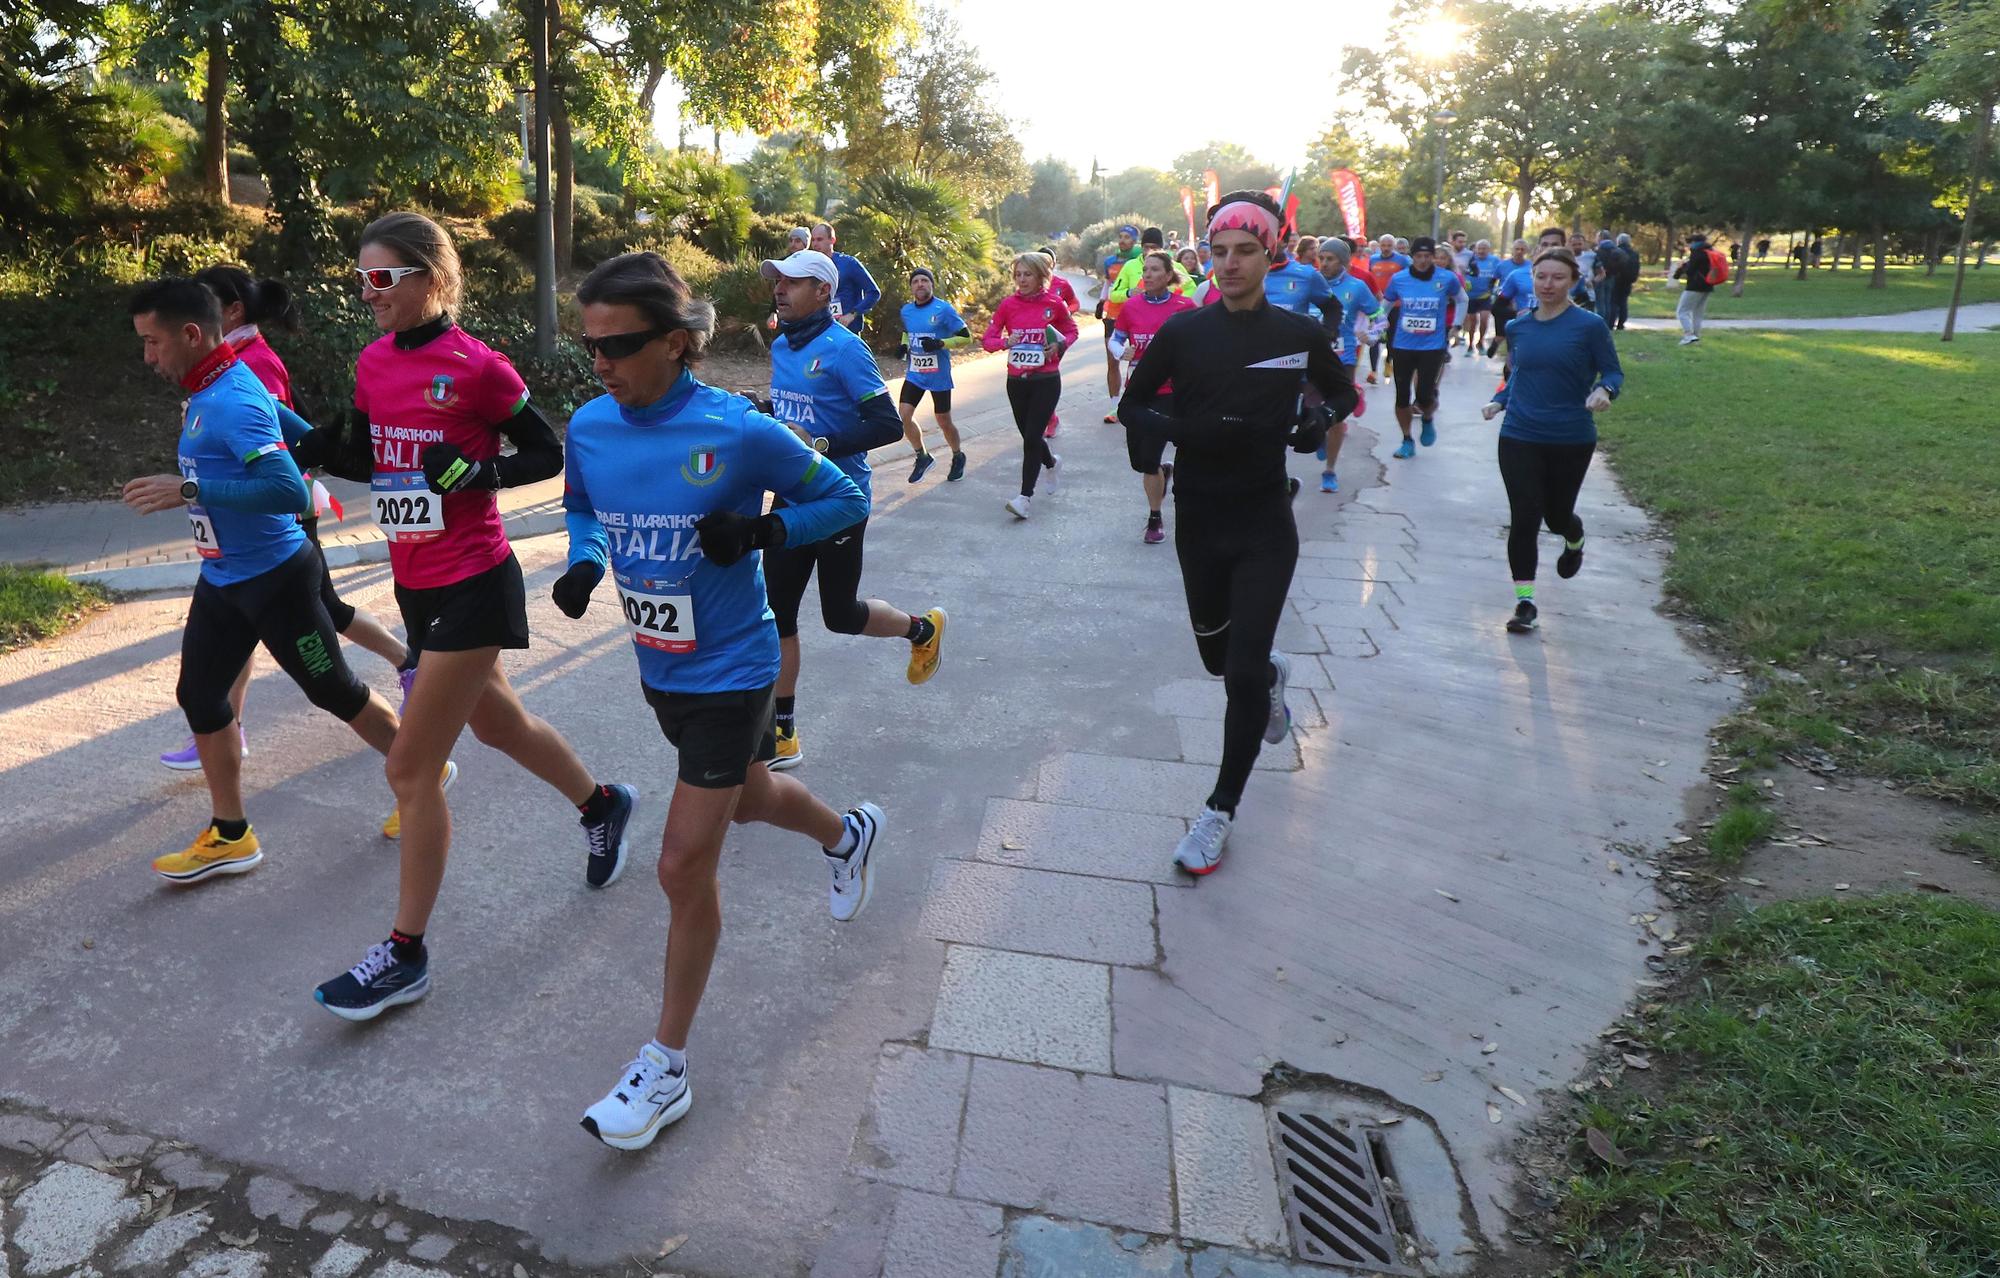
(487, 610)
(718, 734)
(1480, 304)
(913, 395)
(1423, 368)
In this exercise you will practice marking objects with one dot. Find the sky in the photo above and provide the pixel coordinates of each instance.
(1061, 101)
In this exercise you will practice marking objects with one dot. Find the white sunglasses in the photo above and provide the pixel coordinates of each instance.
(384, 278)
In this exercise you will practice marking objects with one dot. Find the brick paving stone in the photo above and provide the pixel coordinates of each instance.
(909, 1133)
(1224, 1178)
(936, 1237)
(1073, 840)
(1024, 1007)
(66, 1214)
(1004, 907)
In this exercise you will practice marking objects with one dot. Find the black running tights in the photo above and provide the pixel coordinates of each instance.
(1542, 482)
(1033, 400)
(1237, 557)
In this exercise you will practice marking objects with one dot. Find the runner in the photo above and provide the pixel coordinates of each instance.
(826, 386)
(1417, 299)
(931, 331)
(247, 305)
(856, 293)
(1565, 370)
(1354, 306)
(1507, 300)
(1383, 264)
(1238, 370)
(432, 404)
(664, 485)
(1035, 328)
(1061, 288)
(1294, 282)
(1481, 275)
(1201, 251)
(1461, 255)
(1107, 310)
(260, 577)
(1190, 261)
(1156, 302)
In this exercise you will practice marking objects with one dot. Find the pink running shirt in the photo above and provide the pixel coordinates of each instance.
(1142, 317)
(454, 389)
(259, 358)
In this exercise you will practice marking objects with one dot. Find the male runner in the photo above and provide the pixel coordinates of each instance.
(260, 576)
(1107, 311)
(1354, 303)
(1509, 298)
(1418, 299)
(1202, 256)
(1238, 371)
(1460, 254)
(931, 331)
(664, 483)
(855, 294)
(1294, 282)
(1482, 276)
(825, 385)
(1383, 264)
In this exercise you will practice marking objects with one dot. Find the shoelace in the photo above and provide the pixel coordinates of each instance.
(1209, 829)
(643, 1076)
(379, 959)
(599, 836)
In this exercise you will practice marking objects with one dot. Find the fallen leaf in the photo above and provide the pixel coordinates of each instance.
(1933, 887)
(1446, 895)
(672, 1245)
(1492, 1112)
(1679, 839)
(1604, 1147)
(1841, 887)
(1665, 931)
(1338, 1038)
(1636, 1062)
(1512, 1095)
(1489, 1049)
(1612, 865)
(1281, 974)
(1388, 1120)
(1012, 845)
(231, 1240)
(1752, 882)
(89, 944)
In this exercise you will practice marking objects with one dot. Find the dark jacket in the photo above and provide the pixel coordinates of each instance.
(1695, 269)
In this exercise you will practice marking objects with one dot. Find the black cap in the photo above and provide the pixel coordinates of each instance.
(1154, 237)
(924, 271)
(1423, 244)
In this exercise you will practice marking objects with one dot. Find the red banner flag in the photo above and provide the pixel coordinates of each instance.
(1187, 207)
(1288, 206)
(1353, 203)
(1213, 187)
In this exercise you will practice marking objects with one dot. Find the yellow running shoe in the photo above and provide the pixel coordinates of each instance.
(393, 827)
(790, 753)
(210, 854)
(926, 657)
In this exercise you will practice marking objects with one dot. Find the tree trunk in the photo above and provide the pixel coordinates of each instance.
(1525, 189)
(1979, 142)
(215, 122)
(656, 71)
(291, 167)
(1879, 277)
(562, 145)
(715, 143)
(1931, 250)
(1743, 257)
(1854, 263)
(1806, 256)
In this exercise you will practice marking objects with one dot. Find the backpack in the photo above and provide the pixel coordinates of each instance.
(1628, 265)
(1718, 268)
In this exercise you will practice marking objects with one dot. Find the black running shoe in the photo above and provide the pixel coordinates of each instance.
(957, 469)
(374, 985)
(606, 839)
(1524, 619)
(1569, 561)
(922, 467)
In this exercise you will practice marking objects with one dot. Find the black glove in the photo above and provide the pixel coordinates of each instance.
(902, 350)
(928, 343)
(572, 590)
(1100, 309)
(1309, 436)
(448, 470)
(765, 407)
(727, 536)
(320, 446)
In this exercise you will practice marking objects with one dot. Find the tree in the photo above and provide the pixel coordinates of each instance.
(902, 220)
(1049, 202)
(1151, 192)
(1234, 167)
(1961, 78)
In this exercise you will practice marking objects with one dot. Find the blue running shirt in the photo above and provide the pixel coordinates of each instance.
(1420, 309)
(819, 388)
(1296, 287)
(1356, 300)
(228, 424)
(636, 480)
(936, 319)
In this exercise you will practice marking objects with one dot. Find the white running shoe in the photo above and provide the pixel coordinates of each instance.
(1281, 715)
(1052, 475)
(1018, 506)
(854, 874)
(648, 1097)
(1201, 849)
(1689, 339)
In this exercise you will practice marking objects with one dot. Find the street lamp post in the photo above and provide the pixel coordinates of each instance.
(1444, 120)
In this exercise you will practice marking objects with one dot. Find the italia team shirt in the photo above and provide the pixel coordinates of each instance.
(930, 370)
(1140, 321)
(231, 421)
(1482, 275)
(1296, 287)
(1420, 309)
(635, 480)
(825, 381)
(454, 389)
(1356, 299)
(1517, 286)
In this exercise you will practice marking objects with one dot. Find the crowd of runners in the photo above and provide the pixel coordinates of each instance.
(712, 512)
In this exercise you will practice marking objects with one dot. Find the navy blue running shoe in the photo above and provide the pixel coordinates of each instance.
(606, 838)
(377, 983)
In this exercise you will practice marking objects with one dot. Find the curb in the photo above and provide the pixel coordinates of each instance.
(180, 574)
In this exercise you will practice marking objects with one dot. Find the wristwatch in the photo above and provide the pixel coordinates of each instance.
(189, 490)
(820, 443)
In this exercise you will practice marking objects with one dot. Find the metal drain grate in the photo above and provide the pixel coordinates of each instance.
(1334, 1201)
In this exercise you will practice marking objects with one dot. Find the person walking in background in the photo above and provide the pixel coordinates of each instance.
(1701, 270)
(857, 293)
(1620, 277)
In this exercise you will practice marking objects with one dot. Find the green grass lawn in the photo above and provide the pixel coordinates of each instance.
(1835, 510)
(1820, 1105)
(36, 605)
(1773, 293)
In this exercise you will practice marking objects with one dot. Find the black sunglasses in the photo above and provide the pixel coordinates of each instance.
(620, 345)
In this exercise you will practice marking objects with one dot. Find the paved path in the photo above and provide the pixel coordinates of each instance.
(1971, 319)
(1038, 1040)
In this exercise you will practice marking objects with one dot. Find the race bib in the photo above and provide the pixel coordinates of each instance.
(838, 311)
(1026, 356)
(406, 508)
(205, 543)
(1418, 325)
(660, 617)
(923, 361)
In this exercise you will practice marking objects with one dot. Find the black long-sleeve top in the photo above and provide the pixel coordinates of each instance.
(1239, 378)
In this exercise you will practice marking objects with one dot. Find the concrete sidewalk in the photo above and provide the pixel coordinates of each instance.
(1041, 1052)
(1971, 319)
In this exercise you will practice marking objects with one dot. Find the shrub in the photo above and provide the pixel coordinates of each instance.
(900, 221)
(1100, 238)
(185, 254)
(492, 270)
(769, 232)
(741, 295)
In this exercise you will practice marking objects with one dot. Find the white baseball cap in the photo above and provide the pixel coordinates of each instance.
(806, 264)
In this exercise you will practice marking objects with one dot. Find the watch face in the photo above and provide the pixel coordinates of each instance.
(188, 489)
(820, 443)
